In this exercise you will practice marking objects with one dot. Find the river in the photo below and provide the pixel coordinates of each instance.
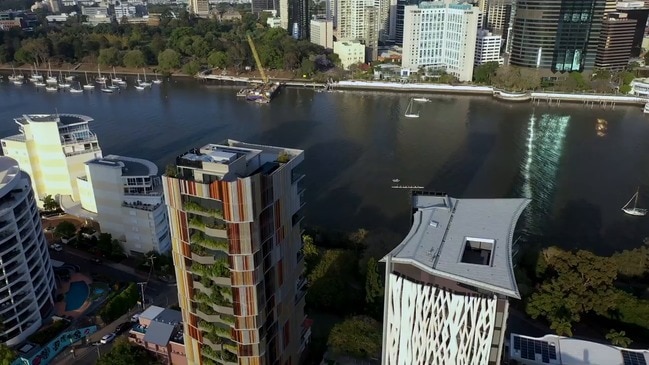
(356, 142)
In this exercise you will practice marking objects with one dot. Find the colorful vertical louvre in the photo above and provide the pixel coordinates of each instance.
(242, 263)
(246, 301)
(237, 204)
(241, 239)
(173, 189)
(246, 337)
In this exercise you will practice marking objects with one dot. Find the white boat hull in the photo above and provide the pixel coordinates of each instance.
(89, 87)
(638, 212)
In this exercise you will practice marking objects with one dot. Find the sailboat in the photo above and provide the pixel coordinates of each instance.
(422, 100)
(114, 77)
(39, 83)
(144, 83)
(51, 88)
(113, 86)
(138, 83)
(634, 210)
(50, 79)
(64, 84)
(69, 77)
(16, 78)
(157, 81)
(409, 112)
(100, 79)
(76, 89)
(36, 77)
(107, 89)
(88, 86)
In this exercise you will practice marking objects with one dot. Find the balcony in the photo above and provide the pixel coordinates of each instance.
(141, 206)
(193, 207)
(209, 242)
(220, 268)
(299, 295)
(89, 150)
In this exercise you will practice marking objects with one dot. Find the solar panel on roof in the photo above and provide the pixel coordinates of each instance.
(530, 347)
(553, 352)
(633, 358)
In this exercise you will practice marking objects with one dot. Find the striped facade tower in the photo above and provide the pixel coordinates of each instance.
(235, 211)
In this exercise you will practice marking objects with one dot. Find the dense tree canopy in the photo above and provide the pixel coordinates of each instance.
(176, 42)
(358, 337)
(7, 355)
(126, 353)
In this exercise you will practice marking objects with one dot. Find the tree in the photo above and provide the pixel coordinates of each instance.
(218, 59)
(332, 284)
(37, 50)
(49, 204)
(373, 283)
(168, 60)
(134, 59)
(618, 338)
(65, 229)
(358, 337)
(7, 355)
(109, 57)
(192, 67)
(484, 73)
(126, 353)
(308, 67)
(574, 284)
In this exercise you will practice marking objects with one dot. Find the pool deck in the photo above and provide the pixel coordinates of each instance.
(64, 287)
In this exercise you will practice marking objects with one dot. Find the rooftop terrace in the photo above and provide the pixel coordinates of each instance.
(130, 166)
(60, 119)
(466, 240)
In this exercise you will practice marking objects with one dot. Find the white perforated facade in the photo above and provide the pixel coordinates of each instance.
(430, 325)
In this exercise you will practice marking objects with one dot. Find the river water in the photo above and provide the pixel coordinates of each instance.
(356, 142)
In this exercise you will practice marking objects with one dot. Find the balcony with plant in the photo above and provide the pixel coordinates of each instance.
(196, 208)
(206, 241)
(220, 268)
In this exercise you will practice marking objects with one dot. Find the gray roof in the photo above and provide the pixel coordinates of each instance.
(441, 228)
(169, 316)
(159, 333)
(130, 166)
(62, 119)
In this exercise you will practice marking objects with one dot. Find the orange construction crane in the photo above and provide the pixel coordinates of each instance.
(257, 60)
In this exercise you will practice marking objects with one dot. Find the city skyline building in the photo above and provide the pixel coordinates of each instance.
(400, 17)
(235, 211)
(299, 19)
(615, 42)
(498, 18)
(358, 20)
(556, 35)
(440, 36)
(124, 195)
(200, 8)
(449, 280)
(52, 150)
(639, 11)
(322, 32)
(487, 48)
(27, 283)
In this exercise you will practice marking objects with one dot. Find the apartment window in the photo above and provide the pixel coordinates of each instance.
(286, 333)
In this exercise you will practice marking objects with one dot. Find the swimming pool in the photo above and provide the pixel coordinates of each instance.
(76, 296)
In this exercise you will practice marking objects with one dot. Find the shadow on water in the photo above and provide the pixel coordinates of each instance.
(577, 226)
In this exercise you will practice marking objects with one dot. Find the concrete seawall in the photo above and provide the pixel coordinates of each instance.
(509, 96)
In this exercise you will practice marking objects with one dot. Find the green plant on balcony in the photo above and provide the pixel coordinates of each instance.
(218, 298)
(193, 206)
(208, 361)
(171, 170)
(207, 282)
(231, 348)
(206, 309)
(206, 241)
(220, 268)
(210, 352)
(202, 297)
(198, 249)
(227, 318)
(283, 157)
(229, 357)
(213, 338)
(215, 329)
(196, 222)
(216, 225)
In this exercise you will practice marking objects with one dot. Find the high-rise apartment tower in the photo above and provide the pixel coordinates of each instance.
(26, 278)
(448, 282)
(235, 211)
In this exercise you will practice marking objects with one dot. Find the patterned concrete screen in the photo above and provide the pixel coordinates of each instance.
(45, 354)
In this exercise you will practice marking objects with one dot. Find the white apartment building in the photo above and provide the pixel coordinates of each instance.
(322, 33)
(440, 36)
(53, 150)
(487, 48)
(448, 282)
(125, 194)
(358, 20)
(349, 53)
(26, 278)
(124, 10)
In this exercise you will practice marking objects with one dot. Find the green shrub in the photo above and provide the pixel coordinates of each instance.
(47, 334)
(120, 304)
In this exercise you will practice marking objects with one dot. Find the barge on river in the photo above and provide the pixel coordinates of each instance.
(262, 93)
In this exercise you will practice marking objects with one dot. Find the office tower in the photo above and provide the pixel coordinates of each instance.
(358, 20)
(26, 278)
(639, 11)
(383, 8)
(440, 36)
(487, 48)
(124, 195)
(498, 18)
(200, 8)
(257, 6)
(448, 282)
(322, 32)
(615, 42)
(55, 6)
(559, 35)
(399, 18)
(53, 150)
(235, 211)
(299, 18)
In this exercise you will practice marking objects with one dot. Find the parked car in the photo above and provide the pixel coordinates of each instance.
(123, 327)
(56, 247)
(107, 338)
(135, 317)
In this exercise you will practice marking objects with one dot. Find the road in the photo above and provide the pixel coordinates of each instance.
(157, 292)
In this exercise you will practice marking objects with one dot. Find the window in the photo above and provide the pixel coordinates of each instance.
(477, 251)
